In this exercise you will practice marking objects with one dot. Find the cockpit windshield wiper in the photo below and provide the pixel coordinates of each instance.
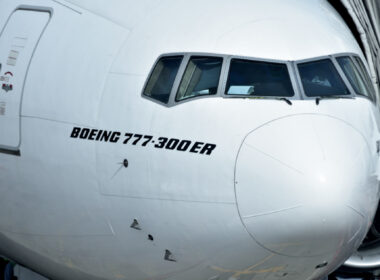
(285, 99)
(271, 98)
(319, 98)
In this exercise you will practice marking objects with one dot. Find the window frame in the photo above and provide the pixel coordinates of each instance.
(292, 66)
(222, 69)
(151, 73)
(369, 87)
(337, 68)
(296, 96)
(181, 71)
(354, 58)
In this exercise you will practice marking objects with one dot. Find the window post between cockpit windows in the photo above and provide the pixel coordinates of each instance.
(296, 81)
(181, 71)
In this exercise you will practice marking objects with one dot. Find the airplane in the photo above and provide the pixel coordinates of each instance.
(186, 140)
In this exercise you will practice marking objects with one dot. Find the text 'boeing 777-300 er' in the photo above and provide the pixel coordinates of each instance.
(188, 140)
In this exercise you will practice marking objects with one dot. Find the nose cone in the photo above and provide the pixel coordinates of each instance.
(305, 186)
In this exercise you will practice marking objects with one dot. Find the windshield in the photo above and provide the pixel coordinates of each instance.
(320, 78)
(354, 76)
(366, 77)
(200, 78)
(183, 77)
(161, 80)
(256, 78)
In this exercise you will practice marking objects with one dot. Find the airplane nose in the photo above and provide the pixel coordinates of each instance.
(305, 186)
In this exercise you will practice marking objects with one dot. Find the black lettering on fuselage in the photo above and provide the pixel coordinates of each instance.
(92, 134)
(106, 136)
(84, 133)
(184, 145)
(99, 135)
(75, 132)
(95, 134)
(196, 147)
(115, 137)
(208, 148)
(173, 144)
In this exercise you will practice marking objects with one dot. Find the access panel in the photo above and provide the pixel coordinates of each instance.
(18, 41)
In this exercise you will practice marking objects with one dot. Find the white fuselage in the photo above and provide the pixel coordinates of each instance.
(264, 190)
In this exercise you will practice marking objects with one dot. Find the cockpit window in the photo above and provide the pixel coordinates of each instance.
(161, 80)
(201, 77)
(256, 78)
(354, 75)
(366, 76)
(320, 78)
(182, 76)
